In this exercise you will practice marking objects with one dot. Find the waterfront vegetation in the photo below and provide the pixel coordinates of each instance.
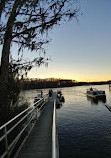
(55, 83)
(12, 103)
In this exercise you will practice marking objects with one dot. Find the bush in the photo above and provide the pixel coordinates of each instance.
(10, 100)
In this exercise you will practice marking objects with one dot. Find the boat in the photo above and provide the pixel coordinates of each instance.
(96, 94)
(39, 96)
(60, 98)
(59, 92)
(58, 103)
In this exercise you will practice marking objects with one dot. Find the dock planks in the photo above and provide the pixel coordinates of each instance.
(39, 142)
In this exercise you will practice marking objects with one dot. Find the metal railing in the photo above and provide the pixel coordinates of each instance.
(14, 133)
(55, 145)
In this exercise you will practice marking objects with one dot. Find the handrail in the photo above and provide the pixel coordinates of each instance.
(54, 135)
(27, 120)
(22, 113)
(14, 118)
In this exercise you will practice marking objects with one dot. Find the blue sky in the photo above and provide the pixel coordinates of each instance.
(80, 50)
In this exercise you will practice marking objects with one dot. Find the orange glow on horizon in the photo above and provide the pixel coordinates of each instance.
(76, 78)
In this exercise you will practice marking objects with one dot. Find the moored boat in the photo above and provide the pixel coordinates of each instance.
(60, 97)
(39, 96)
(96, 94)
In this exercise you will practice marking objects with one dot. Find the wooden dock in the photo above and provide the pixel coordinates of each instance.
(39, 142)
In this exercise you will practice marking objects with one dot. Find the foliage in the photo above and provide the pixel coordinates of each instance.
(26, 23)
(29, 20)
(21, 67)
(10, 102)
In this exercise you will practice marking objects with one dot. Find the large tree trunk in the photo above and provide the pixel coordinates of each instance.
(5, 55)
(5, 63)
(4, 90)
(5, 100)
(6, 47)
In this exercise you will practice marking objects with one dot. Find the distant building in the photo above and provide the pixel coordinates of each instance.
(63, 82)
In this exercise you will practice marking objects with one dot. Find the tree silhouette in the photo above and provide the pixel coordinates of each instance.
(25, 22)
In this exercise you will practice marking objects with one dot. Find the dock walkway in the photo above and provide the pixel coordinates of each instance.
(39, 142)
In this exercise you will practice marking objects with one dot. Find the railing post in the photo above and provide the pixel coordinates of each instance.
(36, 112)
(27, 123)
(54, 133)
(6, 141)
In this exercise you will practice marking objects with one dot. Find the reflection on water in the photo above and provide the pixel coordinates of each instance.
(58, 106)
(95, 100)
(84, 130)
(60, 101)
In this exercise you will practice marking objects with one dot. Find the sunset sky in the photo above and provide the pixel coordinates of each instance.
(80, 50)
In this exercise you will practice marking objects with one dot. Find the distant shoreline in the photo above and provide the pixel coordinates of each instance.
(44, 85)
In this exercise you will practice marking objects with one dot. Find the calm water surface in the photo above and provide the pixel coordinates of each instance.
(84, 127)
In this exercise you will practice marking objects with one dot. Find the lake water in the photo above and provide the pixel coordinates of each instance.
(84, 127)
